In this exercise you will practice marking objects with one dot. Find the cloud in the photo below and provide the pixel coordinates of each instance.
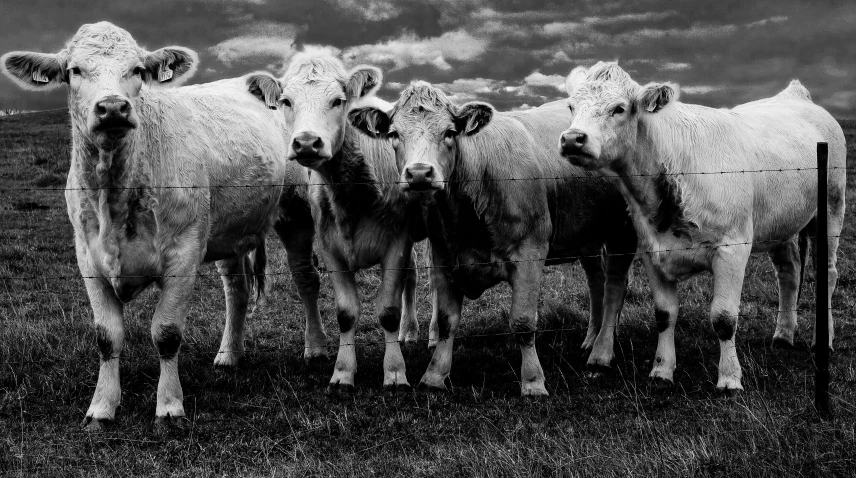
(263, 41)
(675, 66)
(646, 17)
(371, 10)
(536, 78)
(841, 100)
(410, 50)
(765, 21)
(701, 89)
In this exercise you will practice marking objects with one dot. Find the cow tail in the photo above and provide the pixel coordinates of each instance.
(802, 243)
(259, 261)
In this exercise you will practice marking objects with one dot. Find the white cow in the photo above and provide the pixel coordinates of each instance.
(362, 218)
(706, 221)
(129, 140)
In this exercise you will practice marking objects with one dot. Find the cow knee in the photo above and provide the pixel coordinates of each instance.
(724, 324)
(390, 318)
(663, 319)
(167, 338)
(347, 320)
(104, 342)
(524, 330)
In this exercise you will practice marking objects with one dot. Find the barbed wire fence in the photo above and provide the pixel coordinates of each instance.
(821, 359)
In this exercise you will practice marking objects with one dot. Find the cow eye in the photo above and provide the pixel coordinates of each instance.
(286, 102)
(449, 134)
(571, 108)
(74, 70)
(393, 135)
(336, 103)
(138, 71)
(618, 110)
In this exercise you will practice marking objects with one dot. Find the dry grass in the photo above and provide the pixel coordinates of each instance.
(271, 417)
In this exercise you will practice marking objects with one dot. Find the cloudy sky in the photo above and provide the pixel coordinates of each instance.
(512, 53)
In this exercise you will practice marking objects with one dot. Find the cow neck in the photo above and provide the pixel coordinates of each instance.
(652, 184)
(350, 186)
(106, 178)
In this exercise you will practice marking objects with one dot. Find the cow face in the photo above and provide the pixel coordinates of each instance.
(424, 128)
(607, 105)
(104, 70)
(314, 95)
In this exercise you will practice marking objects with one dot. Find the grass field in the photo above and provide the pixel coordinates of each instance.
(271, 417)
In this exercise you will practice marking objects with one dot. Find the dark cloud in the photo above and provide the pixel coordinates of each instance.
(508, 52)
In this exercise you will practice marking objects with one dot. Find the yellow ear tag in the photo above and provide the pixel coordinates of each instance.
(39, 77)
(164, 73)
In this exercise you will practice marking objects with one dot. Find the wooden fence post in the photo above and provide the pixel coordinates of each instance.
(821, 340)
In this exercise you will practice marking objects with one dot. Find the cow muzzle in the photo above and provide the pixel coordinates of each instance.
(420, 177)
(307, 148)
(575, 145)
(114, 117)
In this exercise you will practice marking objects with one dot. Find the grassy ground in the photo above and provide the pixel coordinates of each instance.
(272, 418)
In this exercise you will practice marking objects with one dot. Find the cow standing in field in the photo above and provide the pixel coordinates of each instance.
(680, 168)
(361, 216)
(499, 213)
(151, 192)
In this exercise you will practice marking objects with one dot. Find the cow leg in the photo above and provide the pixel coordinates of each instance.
(729, 268)
(665, 295)
(109, 336)
(297, 236)
(786, 261)
(617, 267)
(433, 327)
(596, 278)
(446, 312)
(236, 285)
(388, 309)
(167, 334)
(525, 289)
(348, 307)
(835, 222)
(409, 329)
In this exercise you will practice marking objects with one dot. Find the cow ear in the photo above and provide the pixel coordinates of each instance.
(33, 71)
(370, 120)
(172, 65)
(265, 87)
(363, 81)
(655, 96)
(472, 117)
(575, 78)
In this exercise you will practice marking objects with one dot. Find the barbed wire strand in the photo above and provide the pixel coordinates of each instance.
(592, 176)
(446, 266)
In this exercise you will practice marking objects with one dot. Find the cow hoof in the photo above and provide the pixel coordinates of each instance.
(343, 390)
(730, 392)
(534, 390)
(782, 343)
(312, 359)
(431, 388)
(95, 425)
(597, 370)
(397, 388)
(227, 360)
(168, 422)
(661, 384)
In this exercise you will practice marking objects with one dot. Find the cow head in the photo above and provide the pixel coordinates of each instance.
(423, 127)
(314, 95)
(607, 106)
(104, 69)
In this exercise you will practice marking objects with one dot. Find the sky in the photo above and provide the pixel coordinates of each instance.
(511, 53)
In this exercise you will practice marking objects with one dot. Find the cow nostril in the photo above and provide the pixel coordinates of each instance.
(124, 107)
(429, 172)
(408, 175)
(581, 138)
(100, 109)
(318, 144)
